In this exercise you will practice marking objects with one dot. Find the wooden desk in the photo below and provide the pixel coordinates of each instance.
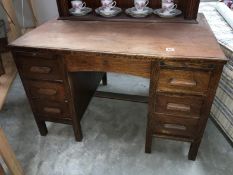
(62, 62)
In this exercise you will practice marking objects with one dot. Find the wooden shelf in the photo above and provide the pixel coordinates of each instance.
(188, 7)
(122, 17)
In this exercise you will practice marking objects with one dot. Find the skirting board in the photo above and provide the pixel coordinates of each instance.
(7, 79)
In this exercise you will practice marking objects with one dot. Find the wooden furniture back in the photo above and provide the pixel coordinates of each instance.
(189, 7)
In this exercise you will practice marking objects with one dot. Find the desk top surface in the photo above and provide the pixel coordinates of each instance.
(178, 40)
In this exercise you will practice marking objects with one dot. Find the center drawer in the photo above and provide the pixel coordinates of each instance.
(184, 81)
(186, 106)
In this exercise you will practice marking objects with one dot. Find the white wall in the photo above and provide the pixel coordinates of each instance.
(45, 10)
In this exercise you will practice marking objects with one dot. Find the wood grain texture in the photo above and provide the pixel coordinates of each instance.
(108, 63)
(150, 40)
(39, 68)
(83, 86)
(46, 90)
(182, 82)
(8, 156)
(2, 70)
(126, 18)
(8, 6)
(180, 113)
(205, 111)
(179, 105)
(191, 9)
(7, 78)
(154, 76)
(170, 125)
(58, 110)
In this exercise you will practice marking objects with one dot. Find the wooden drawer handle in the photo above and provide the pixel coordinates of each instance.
(49, 92)
(52, 110)
(39, 69)
(174, 126)
(178, 107)
(180, 82)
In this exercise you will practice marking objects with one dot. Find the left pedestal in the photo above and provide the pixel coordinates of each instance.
(51, 91)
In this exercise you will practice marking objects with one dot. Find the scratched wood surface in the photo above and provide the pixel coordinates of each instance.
(146, 39)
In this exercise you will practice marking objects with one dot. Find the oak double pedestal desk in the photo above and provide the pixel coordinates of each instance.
(62, 62)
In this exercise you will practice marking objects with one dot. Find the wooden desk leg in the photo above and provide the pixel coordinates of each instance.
(194, 150)
(152, 94)
(8, 156)
(42, 127)
(105, 79)
(83, 86)
(77, 130)
(148, 137)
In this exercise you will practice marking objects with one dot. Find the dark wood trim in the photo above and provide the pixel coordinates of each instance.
(2, 70)
(141, 58)
(154, 77)
(125, 18)
(82, 86)
(189, 8)
(205, 111)
(119, 96)
(63, 7)
(195, 73)
(4, 45)
(105, 79)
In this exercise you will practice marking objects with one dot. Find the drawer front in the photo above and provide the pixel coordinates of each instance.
(40, 68)
(35, 54)
(184, 81)
(46, 90)
(187, 106)
(52, 109)
(170, 125)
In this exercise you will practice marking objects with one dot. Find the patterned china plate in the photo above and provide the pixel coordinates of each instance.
(83, 12)
(174, 13)
(134, 13)
(115, 11)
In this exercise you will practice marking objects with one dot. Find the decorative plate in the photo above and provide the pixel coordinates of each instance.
(83, 12)
(115, 11)
(134, 13)
(174, 13)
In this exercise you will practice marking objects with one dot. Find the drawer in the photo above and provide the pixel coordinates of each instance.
(187, 106)
(173, 126)
(36, 54)
(184, 81)
(40, 68)
(52, 109)
(46, 90)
